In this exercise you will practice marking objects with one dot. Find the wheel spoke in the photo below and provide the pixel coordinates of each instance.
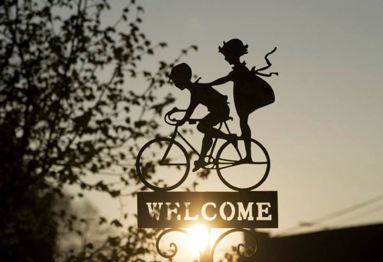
(227, 166)
(169, 164)
(225, 160)
(259, 163)
(173, 164)
(238, 174)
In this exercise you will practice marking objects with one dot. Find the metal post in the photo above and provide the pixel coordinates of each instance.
(205, 256)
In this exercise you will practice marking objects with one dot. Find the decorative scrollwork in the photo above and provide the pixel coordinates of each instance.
(243, 250)
(173, 247)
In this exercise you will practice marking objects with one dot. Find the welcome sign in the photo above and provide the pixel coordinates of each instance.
(257, 209)
(227, 153)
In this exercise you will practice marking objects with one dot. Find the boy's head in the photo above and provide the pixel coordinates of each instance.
(181, 75)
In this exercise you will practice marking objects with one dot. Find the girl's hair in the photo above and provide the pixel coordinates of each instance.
(233, 47)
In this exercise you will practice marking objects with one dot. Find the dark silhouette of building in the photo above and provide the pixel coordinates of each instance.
(363, 243)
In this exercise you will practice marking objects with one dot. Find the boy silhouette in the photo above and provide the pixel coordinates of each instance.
(205, 95)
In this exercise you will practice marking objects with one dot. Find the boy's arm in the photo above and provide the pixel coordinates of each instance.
(189, 112)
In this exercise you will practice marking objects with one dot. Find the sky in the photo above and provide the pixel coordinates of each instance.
(323, 132)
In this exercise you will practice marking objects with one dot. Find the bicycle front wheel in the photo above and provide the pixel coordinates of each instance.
(162, 164)
(237, 174)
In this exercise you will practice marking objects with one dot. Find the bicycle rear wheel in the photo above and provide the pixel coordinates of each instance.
(242, 176)
(162, 164)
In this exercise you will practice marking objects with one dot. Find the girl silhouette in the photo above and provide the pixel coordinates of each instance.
(250, 91)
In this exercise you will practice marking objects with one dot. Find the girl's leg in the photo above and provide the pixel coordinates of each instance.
(246, 134)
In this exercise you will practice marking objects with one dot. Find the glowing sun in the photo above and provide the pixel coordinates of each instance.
(198, 238)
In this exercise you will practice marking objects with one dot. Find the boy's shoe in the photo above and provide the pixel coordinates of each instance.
(198, 164)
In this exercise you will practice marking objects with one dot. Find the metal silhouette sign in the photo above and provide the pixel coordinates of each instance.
(235, 158)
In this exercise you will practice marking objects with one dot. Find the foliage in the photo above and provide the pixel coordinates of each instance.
(100, 243)
(65, 111)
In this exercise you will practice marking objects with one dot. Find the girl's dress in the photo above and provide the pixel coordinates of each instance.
(250, 91)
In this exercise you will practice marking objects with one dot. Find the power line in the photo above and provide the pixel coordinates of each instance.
(348, 209)
(333, 215)
(366, 213)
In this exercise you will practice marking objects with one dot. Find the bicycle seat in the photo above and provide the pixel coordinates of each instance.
(227, 119)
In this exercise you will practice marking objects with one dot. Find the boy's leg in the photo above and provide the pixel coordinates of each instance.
(205, 126)
(206, 144)
(207, 141)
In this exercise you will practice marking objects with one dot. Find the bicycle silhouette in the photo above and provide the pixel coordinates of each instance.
(167, 155)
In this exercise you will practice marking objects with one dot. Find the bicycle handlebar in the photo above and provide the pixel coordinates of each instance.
(174, 122)
(171, 120)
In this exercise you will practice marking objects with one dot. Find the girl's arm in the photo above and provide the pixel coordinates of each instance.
(220, 81)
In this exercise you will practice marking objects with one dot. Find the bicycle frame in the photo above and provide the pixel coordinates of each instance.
(223, 159)
(209, 155)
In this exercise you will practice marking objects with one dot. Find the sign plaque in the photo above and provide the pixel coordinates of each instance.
(254, 209)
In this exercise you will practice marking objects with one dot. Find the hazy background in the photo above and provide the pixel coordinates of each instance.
(324, 132)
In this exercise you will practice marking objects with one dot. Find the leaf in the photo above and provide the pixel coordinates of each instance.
(102, 220)
(114, 193)
(94, 168)
(140, 123)
(89, 245)
(163, 44)
(116, 223)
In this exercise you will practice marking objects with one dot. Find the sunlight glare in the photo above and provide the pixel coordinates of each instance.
(199, 238)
